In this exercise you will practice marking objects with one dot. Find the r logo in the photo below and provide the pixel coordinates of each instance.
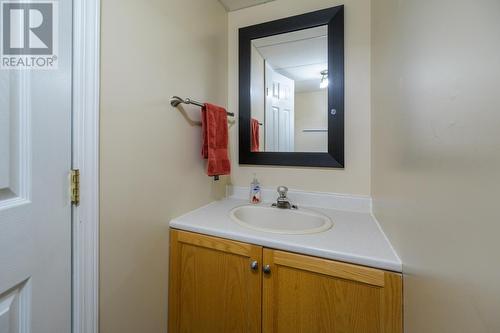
(29, 34)
(27, 28)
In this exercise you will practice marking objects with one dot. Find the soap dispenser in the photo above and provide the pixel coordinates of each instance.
(255, 191)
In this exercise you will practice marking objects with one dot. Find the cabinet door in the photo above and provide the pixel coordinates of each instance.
(307, 294)
(213, 287)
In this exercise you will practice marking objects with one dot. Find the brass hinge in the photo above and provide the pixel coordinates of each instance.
(75, 187)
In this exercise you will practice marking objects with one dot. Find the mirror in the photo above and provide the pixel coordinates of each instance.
(289, 95)
(291, 109)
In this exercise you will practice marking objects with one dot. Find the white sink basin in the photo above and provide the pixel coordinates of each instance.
(281, 221)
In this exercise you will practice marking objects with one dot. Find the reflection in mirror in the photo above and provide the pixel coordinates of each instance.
(289, 95)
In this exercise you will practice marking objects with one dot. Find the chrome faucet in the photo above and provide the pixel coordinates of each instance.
(282, 202)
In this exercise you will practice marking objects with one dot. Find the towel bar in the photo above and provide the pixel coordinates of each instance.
(176, 100)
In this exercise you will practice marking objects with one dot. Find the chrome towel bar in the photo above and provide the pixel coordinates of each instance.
(176, 100)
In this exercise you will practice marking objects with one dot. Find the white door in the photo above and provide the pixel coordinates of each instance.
(280, 116)
(35, 208)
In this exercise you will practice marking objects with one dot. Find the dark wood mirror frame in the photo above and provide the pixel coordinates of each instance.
(334, 158)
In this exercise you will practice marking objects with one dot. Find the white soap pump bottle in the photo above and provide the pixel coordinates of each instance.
(255, 191)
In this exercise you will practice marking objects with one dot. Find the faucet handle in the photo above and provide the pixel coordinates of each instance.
(282, 191)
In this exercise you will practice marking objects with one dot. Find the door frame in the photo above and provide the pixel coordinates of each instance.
(85, 146)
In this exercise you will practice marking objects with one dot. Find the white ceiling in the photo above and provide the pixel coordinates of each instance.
(232, 5)
(299, 55)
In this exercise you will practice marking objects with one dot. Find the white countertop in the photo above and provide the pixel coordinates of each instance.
(355, 237)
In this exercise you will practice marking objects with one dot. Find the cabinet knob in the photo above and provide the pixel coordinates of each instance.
(254, 265)
(267, 269)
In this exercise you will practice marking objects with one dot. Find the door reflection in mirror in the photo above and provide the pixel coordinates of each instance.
(289, 95)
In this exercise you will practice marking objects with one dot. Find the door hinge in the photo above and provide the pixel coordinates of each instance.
(75, 187)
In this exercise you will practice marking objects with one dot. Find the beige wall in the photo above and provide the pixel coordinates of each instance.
(151, 169)
(355, 179)
(310, 113)
(436, 157)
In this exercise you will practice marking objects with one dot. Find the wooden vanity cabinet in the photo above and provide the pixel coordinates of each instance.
(308, 294)
(215, 288)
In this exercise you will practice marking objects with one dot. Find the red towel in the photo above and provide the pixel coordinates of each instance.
(215, 139)
(254, 129)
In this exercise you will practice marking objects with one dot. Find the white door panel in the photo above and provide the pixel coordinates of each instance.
(284, 131)
(35, 210)
(279, 114)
